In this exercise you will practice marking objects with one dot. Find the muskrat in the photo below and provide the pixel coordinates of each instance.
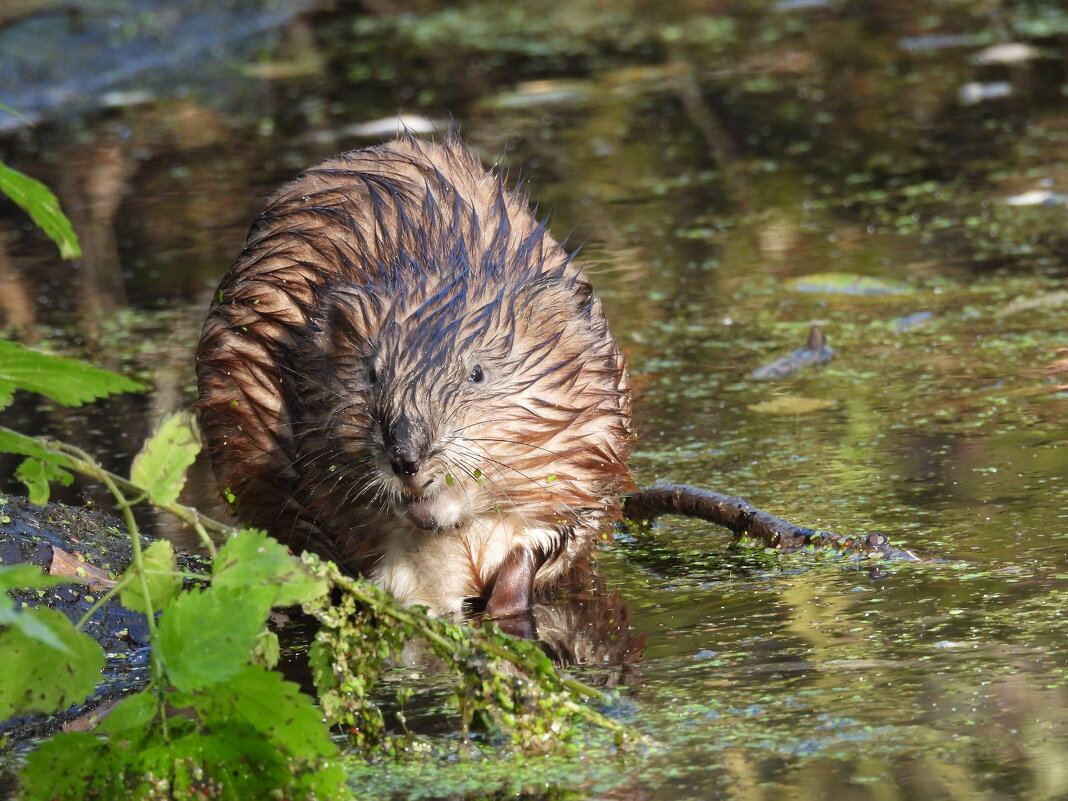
(406, 373)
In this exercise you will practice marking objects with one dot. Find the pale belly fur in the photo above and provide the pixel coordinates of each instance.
(439, 569)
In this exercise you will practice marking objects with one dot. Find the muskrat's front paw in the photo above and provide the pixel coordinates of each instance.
(520, 624)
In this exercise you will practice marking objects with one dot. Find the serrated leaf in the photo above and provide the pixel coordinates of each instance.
(51, 465)
(69, 766)
(67, 381)
(37, 200)
(38, 675)
(206, 637)
(161, 575)
(160, 467)
(240, 765)
(253, 559)
(243, 765)
(38, 476)
(275, 708)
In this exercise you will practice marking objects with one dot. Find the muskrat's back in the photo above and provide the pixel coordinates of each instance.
(406, 373)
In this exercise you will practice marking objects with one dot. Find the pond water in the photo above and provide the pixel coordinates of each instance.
(895, 172)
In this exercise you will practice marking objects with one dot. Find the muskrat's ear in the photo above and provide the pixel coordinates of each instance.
(570, 296)
(347, 318)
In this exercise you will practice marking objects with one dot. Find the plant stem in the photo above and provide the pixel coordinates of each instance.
(423, 626)
(126, 505)
(77, 460)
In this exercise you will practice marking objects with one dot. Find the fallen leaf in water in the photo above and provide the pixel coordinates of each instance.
(1037, 197)
(65, 563)
(1050, 300)
(397, 125)
(91, 719)
(976, 92)
(1006, 53)
(534, 94)
(792, 404)
(847, 284)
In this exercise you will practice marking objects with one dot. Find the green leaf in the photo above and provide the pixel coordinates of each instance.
(26, 577)
(234, 760)
(252, 559)
(268, 650)
(36, 478)
(37, 200)
(66, 381)
(275, 708)
(238, 763)
(242, 765)
(160, 467)
(14, 442)
(161, 575)
(46, 672)
(34, 628)
(206, 637)
(70, 767)
(132, 718)
(38, 475)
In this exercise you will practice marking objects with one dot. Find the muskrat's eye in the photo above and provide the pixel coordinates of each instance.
(476, 376)
(372, 375)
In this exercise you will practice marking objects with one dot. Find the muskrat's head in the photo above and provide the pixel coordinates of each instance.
(444, 398)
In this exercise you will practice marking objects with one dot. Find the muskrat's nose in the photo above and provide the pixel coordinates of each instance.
(404, 459)
(406, 447)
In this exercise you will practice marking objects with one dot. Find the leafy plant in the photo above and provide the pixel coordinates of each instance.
(242, 731)
(214, 721)
(505, 686)
(47, 664)
(37, 200)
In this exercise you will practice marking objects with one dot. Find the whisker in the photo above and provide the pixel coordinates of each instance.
(518, 443)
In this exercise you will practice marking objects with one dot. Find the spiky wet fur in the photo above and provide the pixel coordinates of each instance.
(367, 293)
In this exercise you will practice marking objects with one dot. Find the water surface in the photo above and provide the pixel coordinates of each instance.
(735, 174)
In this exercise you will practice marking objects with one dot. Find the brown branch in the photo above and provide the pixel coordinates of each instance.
(744, 519)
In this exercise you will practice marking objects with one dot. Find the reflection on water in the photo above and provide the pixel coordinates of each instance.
(707, 158)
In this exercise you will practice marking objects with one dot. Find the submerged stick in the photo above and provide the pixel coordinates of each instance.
(744, 519)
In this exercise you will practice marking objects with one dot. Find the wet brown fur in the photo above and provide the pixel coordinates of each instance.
(399, 303)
